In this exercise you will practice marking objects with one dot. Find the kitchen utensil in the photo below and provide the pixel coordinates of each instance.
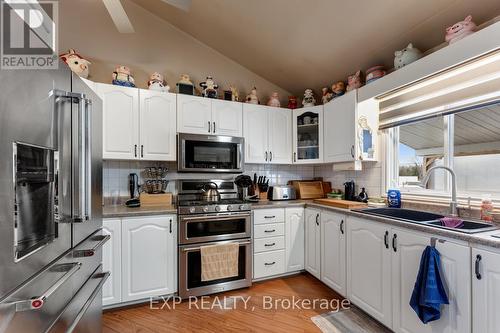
(210, 192)
(349, 190)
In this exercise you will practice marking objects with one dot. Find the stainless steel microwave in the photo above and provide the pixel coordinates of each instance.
(209, 153)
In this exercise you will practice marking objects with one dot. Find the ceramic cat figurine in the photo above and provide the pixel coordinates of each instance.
(460, 30)
(406, 56)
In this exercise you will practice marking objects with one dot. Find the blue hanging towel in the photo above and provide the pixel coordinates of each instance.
(429, 293)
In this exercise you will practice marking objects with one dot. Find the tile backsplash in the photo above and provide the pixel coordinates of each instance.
(115, 174)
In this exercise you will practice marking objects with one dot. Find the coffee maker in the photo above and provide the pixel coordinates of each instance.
(350, 190)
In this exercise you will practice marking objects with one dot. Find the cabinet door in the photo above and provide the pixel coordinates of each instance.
(255, 131)
(157, 125)
(149, 248)
(455, 270)
(294, 239)
(340, 128)
(111, 261)
(308, 135)
(486, 291)
(333, 251)
(194, 114)
(280, 135)
(227, 118)
(313, 245)
(369, 268)
(120, 113)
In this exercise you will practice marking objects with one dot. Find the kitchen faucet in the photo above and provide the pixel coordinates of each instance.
(453, 203)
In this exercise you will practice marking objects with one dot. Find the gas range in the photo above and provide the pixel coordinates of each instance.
(203, 207)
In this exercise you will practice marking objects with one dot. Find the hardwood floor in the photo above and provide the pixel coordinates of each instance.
(234, 317)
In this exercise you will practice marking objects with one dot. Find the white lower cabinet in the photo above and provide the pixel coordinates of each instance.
(333, 251)
(313, 242)
(294, 239)
(146, 263)
(485, 291)
(455, 269)
(111, 261)
(369, 268)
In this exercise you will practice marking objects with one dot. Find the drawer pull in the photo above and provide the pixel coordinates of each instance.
(269, 217)
(270, 230)
(90, 252)
(270, 244)
(269, 263)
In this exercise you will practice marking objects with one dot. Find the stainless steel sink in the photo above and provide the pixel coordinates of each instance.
(429, 219)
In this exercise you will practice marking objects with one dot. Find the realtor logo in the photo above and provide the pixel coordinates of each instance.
(28, 34)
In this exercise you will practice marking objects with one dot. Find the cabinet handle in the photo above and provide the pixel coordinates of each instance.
(270, 230)
(295, 157)
(270, 156)
(214, 127)
(266, 156)
(269, 216)
(209, 127)
(317, 219)
(342, 227)
(135, 150)
(142, 150)
(270, 244)
(352, 151)
(478, 261)
(386, 239)
(394, 244)
(170, 227)
(269, 263)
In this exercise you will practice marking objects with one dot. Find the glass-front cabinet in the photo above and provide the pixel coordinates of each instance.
(308, 135)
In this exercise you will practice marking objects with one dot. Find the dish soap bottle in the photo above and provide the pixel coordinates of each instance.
(487, 209)
(394, 198)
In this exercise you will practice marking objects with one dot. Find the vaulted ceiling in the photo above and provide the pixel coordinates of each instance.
(298, 44)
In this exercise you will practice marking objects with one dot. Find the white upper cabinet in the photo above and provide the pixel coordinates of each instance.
(294, 240)
(194, 114)
(280, 135)
(268, 136)
(308, 135)
(227, 118)
(157, 125)
(200, 115)
(313, 242)
(333, 251)
(485, 291)
(255, 128)
(120, 121)
(351, 129)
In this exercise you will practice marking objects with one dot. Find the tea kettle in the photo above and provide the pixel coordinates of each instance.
(210, 192)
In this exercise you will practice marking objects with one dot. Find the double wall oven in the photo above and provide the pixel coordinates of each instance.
(204, 224)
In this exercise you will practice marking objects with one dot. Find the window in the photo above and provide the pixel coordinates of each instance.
(467, 141)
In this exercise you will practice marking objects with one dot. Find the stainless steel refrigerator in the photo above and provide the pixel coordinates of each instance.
(50, 202)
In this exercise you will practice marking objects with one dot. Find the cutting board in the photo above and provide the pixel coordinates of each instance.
(341, 203)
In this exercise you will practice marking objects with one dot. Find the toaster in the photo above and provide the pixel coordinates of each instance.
(281, 192)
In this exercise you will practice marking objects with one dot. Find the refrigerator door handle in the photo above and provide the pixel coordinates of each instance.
(88, 159)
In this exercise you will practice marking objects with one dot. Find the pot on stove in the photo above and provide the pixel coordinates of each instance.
(210, 192)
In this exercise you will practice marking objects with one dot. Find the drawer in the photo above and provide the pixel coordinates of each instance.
(269, 244)
(264, 216)
(268, 230)
(268, 264)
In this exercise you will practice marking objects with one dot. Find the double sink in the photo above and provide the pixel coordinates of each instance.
(429, 219)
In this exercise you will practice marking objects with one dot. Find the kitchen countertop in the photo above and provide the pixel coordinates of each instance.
(124, 211)
(484, 238)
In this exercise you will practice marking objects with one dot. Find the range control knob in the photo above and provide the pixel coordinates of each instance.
(192, 209)
(217, 208)
(205, 209)
(242, 207)
(229, 207)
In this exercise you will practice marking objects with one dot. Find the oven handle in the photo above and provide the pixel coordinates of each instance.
(198, 248)
(209, 218)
